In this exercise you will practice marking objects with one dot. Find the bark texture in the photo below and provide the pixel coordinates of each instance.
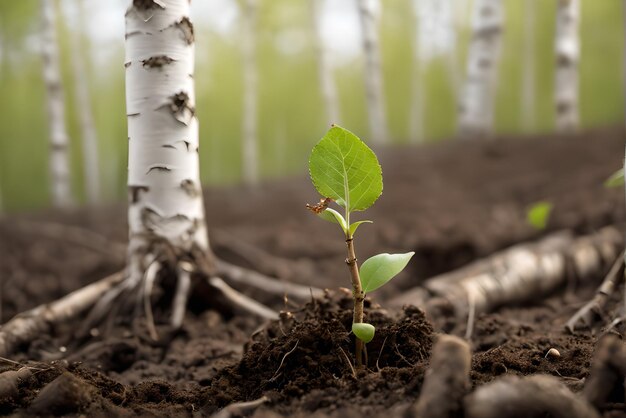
(324, 68)
(250, 146)
(85, 112)
(535, 396)
(567, 51)
(374, 89)
(446, 381)
(521, 273)
(528, 80)
(166, 211)
(55, 102)
(476, 106)
(28, 325)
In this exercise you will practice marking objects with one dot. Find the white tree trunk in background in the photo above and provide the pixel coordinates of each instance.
(567, 49)
(166, 211)
(250, 146)
(59, 140)
(476, 105)
(324, 68)
(85, 113)
(528, 74)
(374, 89)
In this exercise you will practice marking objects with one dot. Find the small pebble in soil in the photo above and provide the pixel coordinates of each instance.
(553, 354)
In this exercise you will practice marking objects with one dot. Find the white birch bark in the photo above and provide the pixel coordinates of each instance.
(166, 211)
(85, 113)
(374, 89)
(567, 51)
(476, 105)
(59, 140)
(528, 74)
(416, 127)
(324, 68)
(250, 151)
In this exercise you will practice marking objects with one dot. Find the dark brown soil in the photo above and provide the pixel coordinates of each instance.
(450, 203)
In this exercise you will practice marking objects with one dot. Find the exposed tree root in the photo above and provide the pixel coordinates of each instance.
(596, 306)
(10, 380)
(242, 276)
(446, 381)
(28, 325)
(535, 396)
(519, 274)
(240, 408)
(607, 371)
(242, 301)
(231, 273)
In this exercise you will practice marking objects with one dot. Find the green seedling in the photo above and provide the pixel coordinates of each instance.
(346, 171)
(616, 179)
(538, 214)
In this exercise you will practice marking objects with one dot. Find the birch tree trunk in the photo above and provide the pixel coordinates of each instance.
(59, 140)
(85, 113)
(416, 128)
(374, 89)
(166, 211)
(476, 106)
(250, 152)
(324, 68)
(528, 80)
(567, 49)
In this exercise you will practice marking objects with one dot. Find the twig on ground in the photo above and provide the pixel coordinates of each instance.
(240, 408)
(534, 396)
(282, 361)
(345, 356)
(595, 307)
(446, 381)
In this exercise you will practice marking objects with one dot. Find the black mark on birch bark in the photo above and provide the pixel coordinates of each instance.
(181, 108)
(186, 27)
(147, 4)
(157, 61)
(134, 193)
(189, 187)
(162, 168)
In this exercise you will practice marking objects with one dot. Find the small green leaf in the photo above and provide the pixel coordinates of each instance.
(355, 225)
(364, 331)
(331, 215)
(616, 179)
(379, 269)
(538, 214)
(343, 168)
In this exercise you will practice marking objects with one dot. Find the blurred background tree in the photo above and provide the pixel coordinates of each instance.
(291, 109)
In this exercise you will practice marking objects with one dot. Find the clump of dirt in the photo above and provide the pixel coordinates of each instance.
(305, 361)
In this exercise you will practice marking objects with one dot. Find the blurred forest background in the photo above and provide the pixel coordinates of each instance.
(428, 52)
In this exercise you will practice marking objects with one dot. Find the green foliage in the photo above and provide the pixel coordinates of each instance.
(343, 168)
(538, 214)
(355, 225)
(616, 179)
(364, 331)
(331, 215)
(379, 269)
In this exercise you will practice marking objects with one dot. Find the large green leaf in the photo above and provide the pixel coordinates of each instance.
(364, 331)
(343, 168)
(378, 270)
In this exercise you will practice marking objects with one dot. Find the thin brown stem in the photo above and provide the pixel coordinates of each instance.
(359, 296)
